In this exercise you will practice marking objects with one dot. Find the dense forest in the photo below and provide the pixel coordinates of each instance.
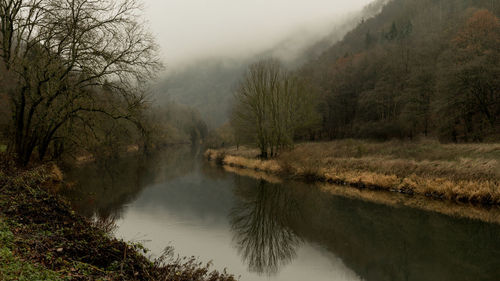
(419, 68)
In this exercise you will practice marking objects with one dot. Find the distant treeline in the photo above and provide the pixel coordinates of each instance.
(171, 123)
(419, 68)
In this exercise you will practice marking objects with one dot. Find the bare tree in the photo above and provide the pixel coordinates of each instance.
(72, 59)
(271, 105)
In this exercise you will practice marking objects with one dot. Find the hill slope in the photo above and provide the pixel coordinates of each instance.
(420, 67)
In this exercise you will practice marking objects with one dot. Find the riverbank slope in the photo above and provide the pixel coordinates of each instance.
(455, 172)
(41, 238)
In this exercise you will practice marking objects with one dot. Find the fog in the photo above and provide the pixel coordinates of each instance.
(189, 30)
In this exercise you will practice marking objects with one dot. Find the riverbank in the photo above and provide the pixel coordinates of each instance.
(454, 172)
(41, 238)
(491, 214)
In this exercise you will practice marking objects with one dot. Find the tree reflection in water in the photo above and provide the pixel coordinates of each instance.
(104, 187)
(261, 224)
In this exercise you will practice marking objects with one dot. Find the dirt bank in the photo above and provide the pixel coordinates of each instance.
(41, 238)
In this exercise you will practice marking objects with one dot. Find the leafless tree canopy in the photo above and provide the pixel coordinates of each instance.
(69, 59)
(271, 105)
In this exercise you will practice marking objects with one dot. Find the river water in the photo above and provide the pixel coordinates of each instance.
(261, 230)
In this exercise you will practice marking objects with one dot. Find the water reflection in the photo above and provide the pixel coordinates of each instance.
(261, 223)
(382, 242)
(103, 188)
(283, 231)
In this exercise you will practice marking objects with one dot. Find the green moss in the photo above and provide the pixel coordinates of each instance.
(14, 268)
(3, 148)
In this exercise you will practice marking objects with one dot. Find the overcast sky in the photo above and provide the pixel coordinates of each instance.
(192, 29)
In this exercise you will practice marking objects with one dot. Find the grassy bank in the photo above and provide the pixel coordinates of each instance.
(455, 172)
(41, 238)
(476, 212)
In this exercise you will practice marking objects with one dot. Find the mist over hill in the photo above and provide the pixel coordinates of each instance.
(207, 84)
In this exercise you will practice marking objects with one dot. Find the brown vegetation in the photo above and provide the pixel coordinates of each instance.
(456, 172)
(490, 215)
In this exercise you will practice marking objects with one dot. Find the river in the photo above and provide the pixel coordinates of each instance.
(262, 230)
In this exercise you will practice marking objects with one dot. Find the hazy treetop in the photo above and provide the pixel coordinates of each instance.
(195, 29)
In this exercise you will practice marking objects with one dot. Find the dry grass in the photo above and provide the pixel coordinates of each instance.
(456, 172)
(227, 157)
(259, 175)
(490, 215)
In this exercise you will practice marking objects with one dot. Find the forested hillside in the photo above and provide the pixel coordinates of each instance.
(419, 68)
